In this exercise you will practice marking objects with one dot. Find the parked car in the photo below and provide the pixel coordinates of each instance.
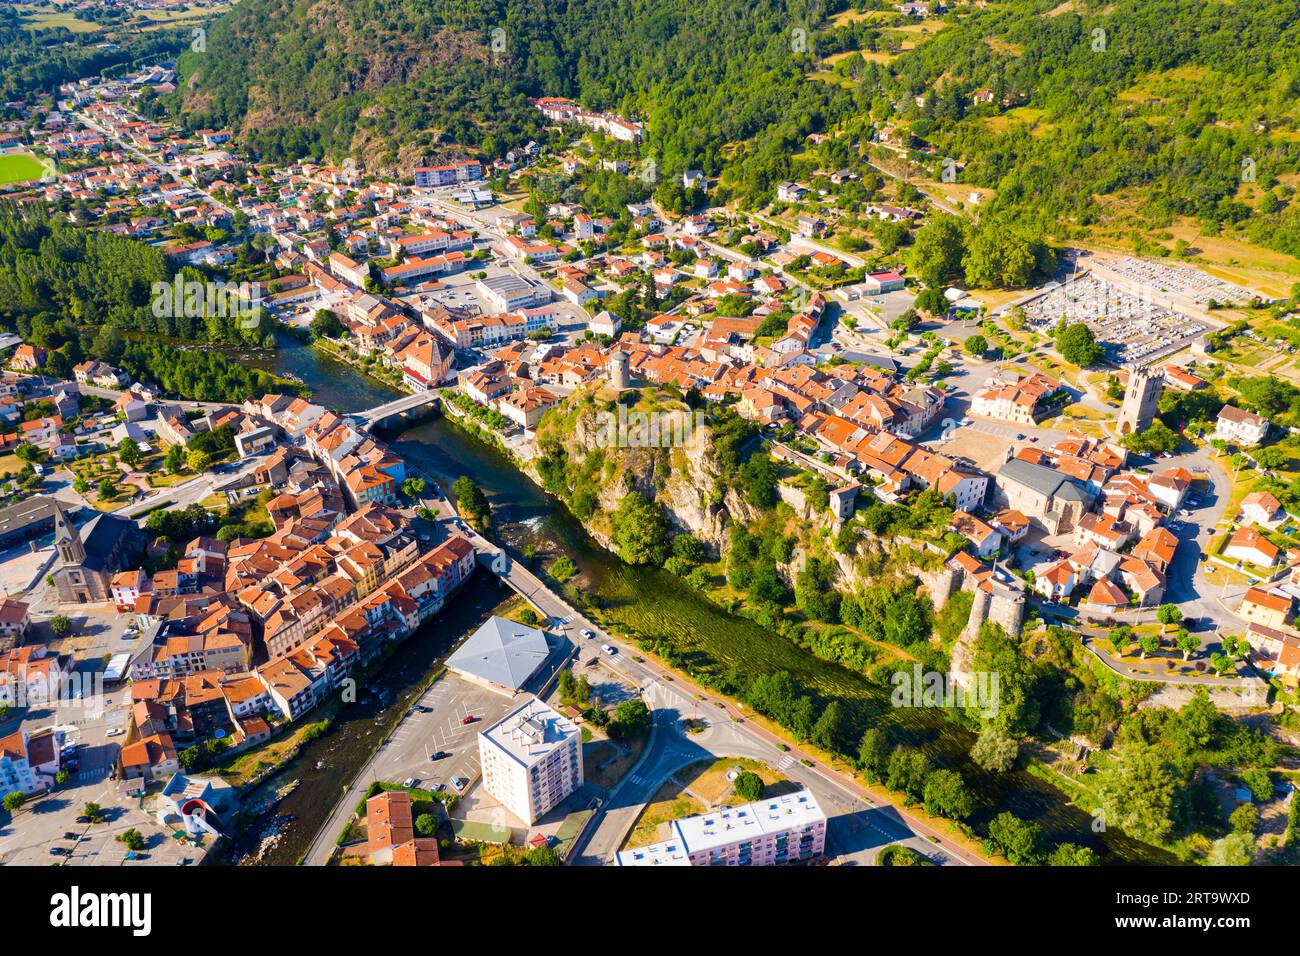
(440, 755)
(60, 851)
(460, 783)
(588, 635)
(410, 782)
(468, 719)
(69, 835)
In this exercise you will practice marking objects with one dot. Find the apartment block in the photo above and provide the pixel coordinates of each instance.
(786, 829)
(531, 759)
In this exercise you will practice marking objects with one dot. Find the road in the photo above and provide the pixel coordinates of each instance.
(433, 724)
(672, 696)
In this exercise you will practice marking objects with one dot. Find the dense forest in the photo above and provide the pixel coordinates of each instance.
(82, 294)
(398, 81)
(1138, 112)
(1158, 108)
(38, 60)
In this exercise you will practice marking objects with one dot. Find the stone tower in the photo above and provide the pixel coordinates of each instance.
(1144, 385)
(66, 540)
(617, 369)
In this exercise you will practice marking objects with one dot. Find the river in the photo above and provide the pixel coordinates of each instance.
(647, 601)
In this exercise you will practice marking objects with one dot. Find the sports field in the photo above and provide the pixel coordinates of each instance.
(19, 168)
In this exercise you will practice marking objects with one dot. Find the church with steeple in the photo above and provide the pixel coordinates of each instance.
(89, 556)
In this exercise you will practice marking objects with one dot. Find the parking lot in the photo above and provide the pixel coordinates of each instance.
(436, 724)
(1136, 330)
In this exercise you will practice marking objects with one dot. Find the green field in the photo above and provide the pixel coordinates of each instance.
(36, 18)
(19, 168)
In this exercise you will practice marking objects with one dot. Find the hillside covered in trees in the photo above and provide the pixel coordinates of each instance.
(399, 81)
(1133, 112)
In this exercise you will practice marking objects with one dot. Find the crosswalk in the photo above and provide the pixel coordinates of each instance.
(786, 763)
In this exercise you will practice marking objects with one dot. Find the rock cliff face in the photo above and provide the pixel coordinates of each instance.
(671, 459)
(676, 464)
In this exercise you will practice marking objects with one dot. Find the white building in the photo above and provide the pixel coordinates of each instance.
(784, 829)
(1239, 427)
(531, 759)
(508, 293)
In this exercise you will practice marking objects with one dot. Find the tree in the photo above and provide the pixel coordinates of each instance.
(1136, 790)
(1244, 819)
(1069, 854)
(132, 838)
(60, 624)
(1149, 643)
(906, 771)
(938, 250)
(874, 751)
(325, 324)
(1187, 642)
(174, 460)
(1236, 849)
(1078, 345)
(640, 531)
(749, 786)
(426, 824)
(976, 345)
(473, 503)
(129, 451)
(947, 795)
(1154, 439)
(14, 800)
(829, 731)
(94, 811)
(413, 487)
(106, 489)
(1019, 841)
(997, 257)
(1169, 614)
(198, 460)
(631, 717)
(994, 751)
(932, 301)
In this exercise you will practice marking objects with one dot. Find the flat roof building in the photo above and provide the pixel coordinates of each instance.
(531, 759)
(786, 829)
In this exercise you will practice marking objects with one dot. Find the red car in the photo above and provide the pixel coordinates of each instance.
(469, 720)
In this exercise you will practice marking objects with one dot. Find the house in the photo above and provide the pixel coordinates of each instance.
(1261, 508)
(28, 357)
(985, 539)
(531, 759)
(390, 832)
(1269, 608)
(1019, 402)
(790, 192)
(1240, 428)
(150, 758)
(1012, 524)
(1058, 582)
(28, 762)
(526, 406)
(14, 621)
(1251, 547)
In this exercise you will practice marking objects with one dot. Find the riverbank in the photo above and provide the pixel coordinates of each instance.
(654, 608)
